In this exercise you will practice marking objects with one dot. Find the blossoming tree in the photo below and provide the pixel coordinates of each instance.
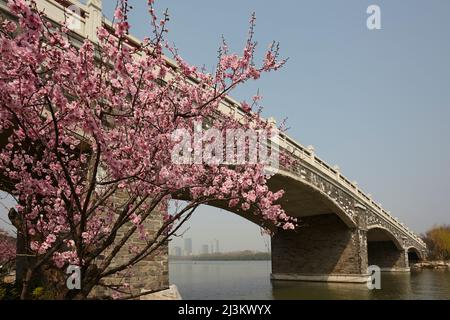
(7, 253)
(88, 137)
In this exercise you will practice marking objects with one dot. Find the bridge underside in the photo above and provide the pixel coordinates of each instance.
(303, 200)
(323, 248)
(385, 252)
(414, 256)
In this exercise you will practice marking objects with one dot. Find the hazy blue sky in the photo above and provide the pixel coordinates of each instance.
(377, 103)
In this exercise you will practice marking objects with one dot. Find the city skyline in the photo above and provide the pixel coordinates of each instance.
(186, 246)
(221, 225)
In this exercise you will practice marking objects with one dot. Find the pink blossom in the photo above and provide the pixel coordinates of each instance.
(7, 248)
(98, 136)
(233, 203)
(118, 14)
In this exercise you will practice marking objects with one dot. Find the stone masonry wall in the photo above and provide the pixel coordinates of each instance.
(152, 273)
(321, 245)
(386, 255)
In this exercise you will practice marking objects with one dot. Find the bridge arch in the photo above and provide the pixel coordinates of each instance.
(302, 199)
(328, 245)
(378, 233)
(385, 250)
(414, 255)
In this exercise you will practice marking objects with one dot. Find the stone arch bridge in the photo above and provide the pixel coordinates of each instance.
(343, 230)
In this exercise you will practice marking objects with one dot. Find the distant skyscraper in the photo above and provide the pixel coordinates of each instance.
(216, 248)
(177, 251)
(187, 246)
(205, 249)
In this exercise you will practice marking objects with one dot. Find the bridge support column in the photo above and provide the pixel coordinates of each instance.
(152, 273)
(323, 248)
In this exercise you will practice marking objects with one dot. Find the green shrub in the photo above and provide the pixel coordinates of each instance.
(9, 291)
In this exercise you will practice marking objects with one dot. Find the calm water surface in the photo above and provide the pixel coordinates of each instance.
(251, 280)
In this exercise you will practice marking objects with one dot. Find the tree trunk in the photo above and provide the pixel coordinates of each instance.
(25, 294)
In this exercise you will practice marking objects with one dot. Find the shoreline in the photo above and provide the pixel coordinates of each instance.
(218, 259)
(435, 264)
(225, 256)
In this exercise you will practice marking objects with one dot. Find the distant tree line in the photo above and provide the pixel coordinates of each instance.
(239, 255)
(438, 242)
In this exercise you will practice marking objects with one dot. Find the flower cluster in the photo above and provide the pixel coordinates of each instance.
(89, 129)
(7, 248)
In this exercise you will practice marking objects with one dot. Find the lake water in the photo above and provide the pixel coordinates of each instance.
(251, 280)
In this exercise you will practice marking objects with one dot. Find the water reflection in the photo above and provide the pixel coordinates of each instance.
(318, 290)
(251, 280)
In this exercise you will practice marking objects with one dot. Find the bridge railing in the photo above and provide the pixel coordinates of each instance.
(307, 155)
(89, 19)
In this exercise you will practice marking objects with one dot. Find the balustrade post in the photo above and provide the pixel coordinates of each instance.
(94, 19)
